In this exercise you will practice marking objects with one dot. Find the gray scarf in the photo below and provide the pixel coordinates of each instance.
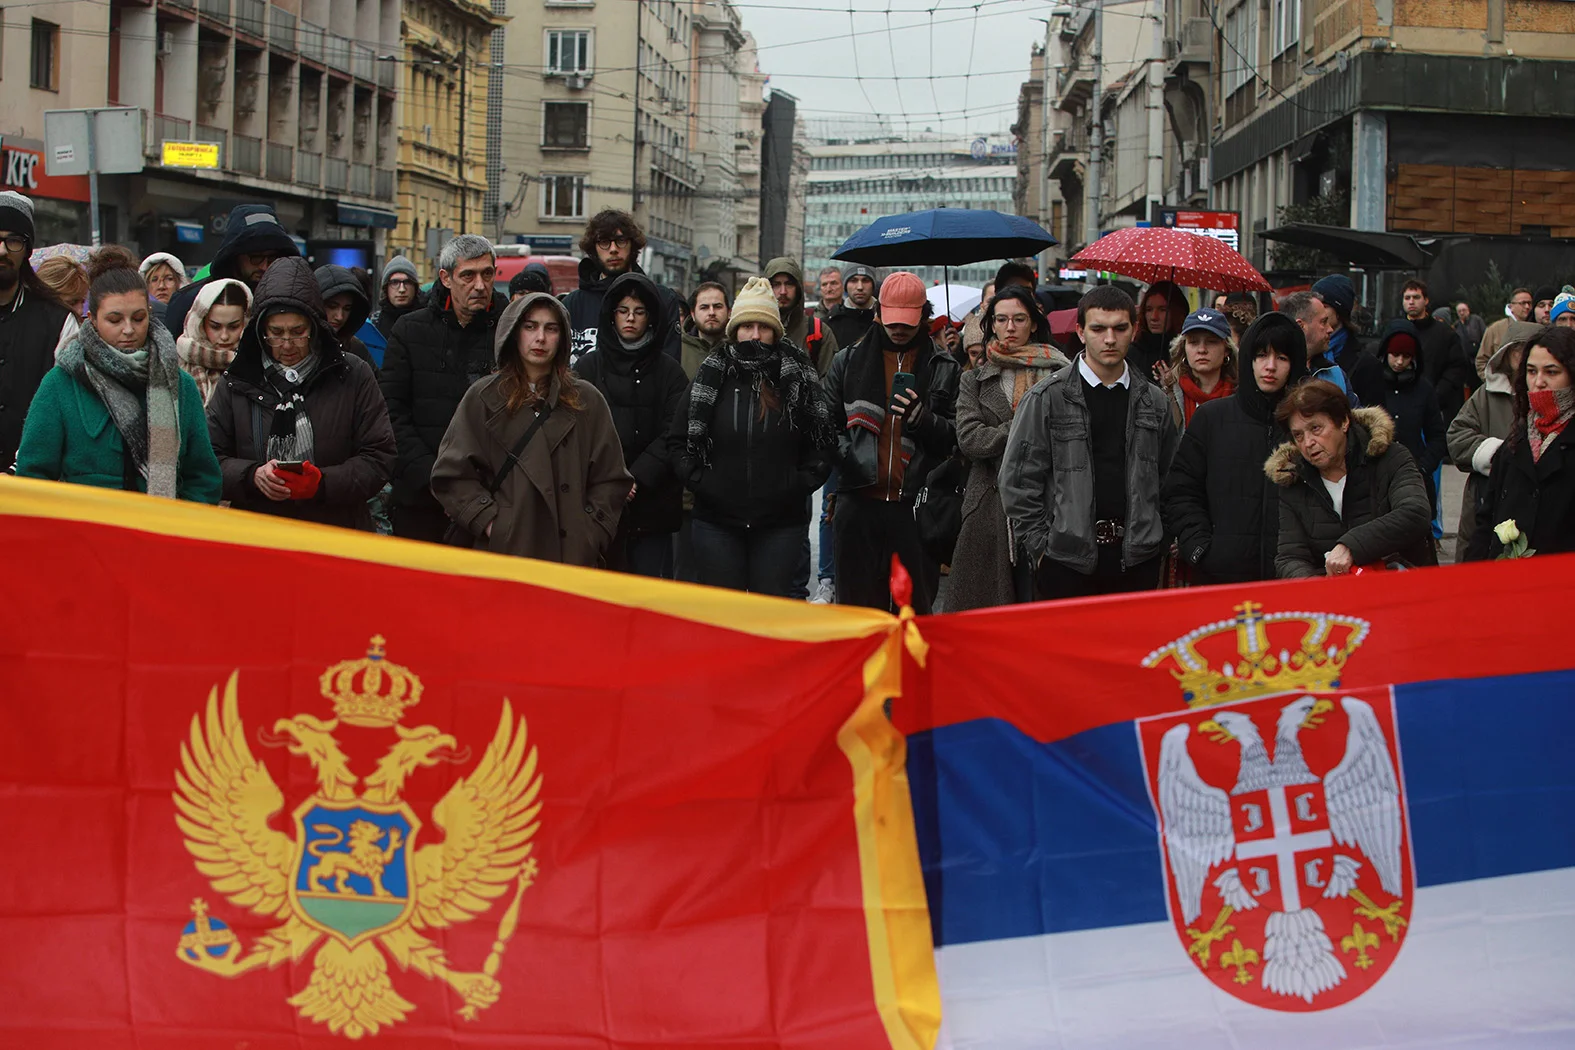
(141, 392)
(290, 438)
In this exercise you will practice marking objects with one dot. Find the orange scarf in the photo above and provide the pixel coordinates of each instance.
(1028, 364)
(1192, 395)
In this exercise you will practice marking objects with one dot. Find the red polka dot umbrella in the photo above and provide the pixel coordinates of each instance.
(1158, 253)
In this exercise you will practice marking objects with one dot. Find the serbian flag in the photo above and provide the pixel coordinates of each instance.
(1312, 814)
(282, 786)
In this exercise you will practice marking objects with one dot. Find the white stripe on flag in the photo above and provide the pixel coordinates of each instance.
(1487, 965)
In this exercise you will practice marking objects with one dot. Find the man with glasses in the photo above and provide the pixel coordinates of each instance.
(401, 294)
(1519, 309)
(612, 242)
(253, 239)
(33, 326)
(434, 354)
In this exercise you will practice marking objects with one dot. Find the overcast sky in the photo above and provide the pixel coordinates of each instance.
(956, 68)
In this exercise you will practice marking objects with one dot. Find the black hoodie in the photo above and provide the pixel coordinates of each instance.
(1413, 404)
(644, 389)
(335, 280)
(250, 228)
(585, 309)
(1215, 498)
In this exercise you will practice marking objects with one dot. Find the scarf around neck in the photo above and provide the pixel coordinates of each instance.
(290, 436)
(1549, 412)
(783, 365)
(1193, 395)
(141, 392)
(1024, 366)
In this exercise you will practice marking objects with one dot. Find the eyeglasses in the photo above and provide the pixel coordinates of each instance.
(1010, 319)
(1513, 302)
(401, 282)
(15, 243)
(608, 242)
(287, 338)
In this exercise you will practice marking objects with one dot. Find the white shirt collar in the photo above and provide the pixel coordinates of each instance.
(1092, 380)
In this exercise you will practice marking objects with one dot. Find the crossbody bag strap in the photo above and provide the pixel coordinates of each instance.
(514, 453)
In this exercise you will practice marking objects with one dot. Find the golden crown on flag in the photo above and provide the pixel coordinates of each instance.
(370, 691)
(1274, 653)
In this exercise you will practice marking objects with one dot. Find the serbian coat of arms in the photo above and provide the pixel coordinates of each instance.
(1281, 810)
(354, 886)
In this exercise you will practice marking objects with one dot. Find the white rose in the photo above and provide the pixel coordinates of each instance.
(1507, 532)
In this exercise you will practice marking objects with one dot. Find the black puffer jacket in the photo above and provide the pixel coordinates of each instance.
(335, 280)
(585, 310)
(1412, 403)
(762, 471)
(250, 228)
(1384, 516)
(354, 444)
(1538, 496)
(644, 389)
(429, 364)
(1224, 513)
(849, 324)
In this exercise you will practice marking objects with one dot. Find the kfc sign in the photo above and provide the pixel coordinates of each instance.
(22, 169)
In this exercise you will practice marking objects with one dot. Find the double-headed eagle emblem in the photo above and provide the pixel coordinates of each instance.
(352, 887)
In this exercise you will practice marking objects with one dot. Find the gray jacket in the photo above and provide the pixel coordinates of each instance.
(1047, 472)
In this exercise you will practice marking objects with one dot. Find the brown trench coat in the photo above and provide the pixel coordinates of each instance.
(562, 502)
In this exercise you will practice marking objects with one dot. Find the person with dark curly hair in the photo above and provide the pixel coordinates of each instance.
(612, 243)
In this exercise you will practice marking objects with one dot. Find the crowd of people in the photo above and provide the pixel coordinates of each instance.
(626, 428)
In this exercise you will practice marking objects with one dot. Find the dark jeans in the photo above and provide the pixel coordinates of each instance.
(762, 561)
(650, 554)
(684, 551)
(868, 532)
(420, 521)
(827, 570)
(1055, 580)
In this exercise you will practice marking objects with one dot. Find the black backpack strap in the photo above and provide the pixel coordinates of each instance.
(519, 447)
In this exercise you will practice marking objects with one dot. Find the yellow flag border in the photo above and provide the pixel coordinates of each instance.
(754, 614)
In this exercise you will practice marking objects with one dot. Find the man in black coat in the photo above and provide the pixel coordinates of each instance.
(253, 238)
(1216, 500)
(612, 242)
(33, 325)
(851, 317)
(434, 355)
(1442, 358)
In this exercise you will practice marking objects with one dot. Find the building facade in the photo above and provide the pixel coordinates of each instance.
(748, 141)
(851, 184)
(714, 122)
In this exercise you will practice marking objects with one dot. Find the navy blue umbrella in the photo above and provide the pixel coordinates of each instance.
(944, 237)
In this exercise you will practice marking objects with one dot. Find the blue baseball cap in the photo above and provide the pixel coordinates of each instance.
(1207, 320)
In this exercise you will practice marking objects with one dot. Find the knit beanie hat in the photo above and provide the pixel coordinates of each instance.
(1544, 294)
(755, 303)
(399, 264)
(16, 214)
(1338, 291)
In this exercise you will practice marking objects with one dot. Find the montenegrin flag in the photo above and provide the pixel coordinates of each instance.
(272, 786)
(1312, 814)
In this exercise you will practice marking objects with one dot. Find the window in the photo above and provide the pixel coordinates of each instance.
(1240, 54)
(568, 51)
(1287, 19)
(565, 125)
(46, 55)
(563, 197)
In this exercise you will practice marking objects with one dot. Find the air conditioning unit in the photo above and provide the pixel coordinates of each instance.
(166, 44)
(576, 81)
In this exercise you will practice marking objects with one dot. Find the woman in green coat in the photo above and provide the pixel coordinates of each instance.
(116, 411)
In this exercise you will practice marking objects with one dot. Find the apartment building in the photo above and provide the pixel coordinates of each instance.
(714, 116)
(748, 143)
(596, 113)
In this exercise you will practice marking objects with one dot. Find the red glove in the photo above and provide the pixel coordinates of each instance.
(303, 485)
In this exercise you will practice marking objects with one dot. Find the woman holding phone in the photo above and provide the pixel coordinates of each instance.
(299, 426)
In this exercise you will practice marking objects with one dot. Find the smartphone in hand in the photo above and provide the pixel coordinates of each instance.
(291, 466)
(901, 383)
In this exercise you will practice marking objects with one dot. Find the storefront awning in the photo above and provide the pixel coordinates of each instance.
(362, 215)
(1367, 249)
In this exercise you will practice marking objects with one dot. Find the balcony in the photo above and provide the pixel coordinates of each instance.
(281, 29)
(336, 54)
(312, 39)
(210, 133)
(308, 168)
(281, 162)
(184, 5)
(218, 10)
(387, 73)
(251, 17)
(336, 174)
(170, 129)
(361, 180)
(246, 157)
(385, 185)
(1074, 86)
(365, 62)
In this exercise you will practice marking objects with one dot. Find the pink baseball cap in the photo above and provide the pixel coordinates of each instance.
(902, 298)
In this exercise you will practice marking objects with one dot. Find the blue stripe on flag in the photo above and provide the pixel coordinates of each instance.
(1019, 838)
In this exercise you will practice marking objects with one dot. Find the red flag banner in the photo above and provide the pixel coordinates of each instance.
(276, 786)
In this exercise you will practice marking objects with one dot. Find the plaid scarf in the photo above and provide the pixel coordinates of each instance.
(141, 392)
(1023, 367)
(290, 437)
(1550, 412)
(784, 366)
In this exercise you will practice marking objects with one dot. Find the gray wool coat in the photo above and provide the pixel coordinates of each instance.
(981, 571)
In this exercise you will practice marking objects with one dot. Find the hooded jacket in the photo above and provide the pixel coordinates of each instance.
(198, 358)
(251, 228)
(644, 390)
(1150, 348)
(1412, 403)
(352, 439)
(1215, 499)
(1482, 424)
(585, 309)
(1384, 515)
(334, 280)
(561, 502)
(387, 313)
(430, 362)
(797, 325)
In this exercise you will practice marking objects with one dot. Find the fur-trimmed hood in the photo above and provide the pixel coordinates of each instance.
(1372, 430)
